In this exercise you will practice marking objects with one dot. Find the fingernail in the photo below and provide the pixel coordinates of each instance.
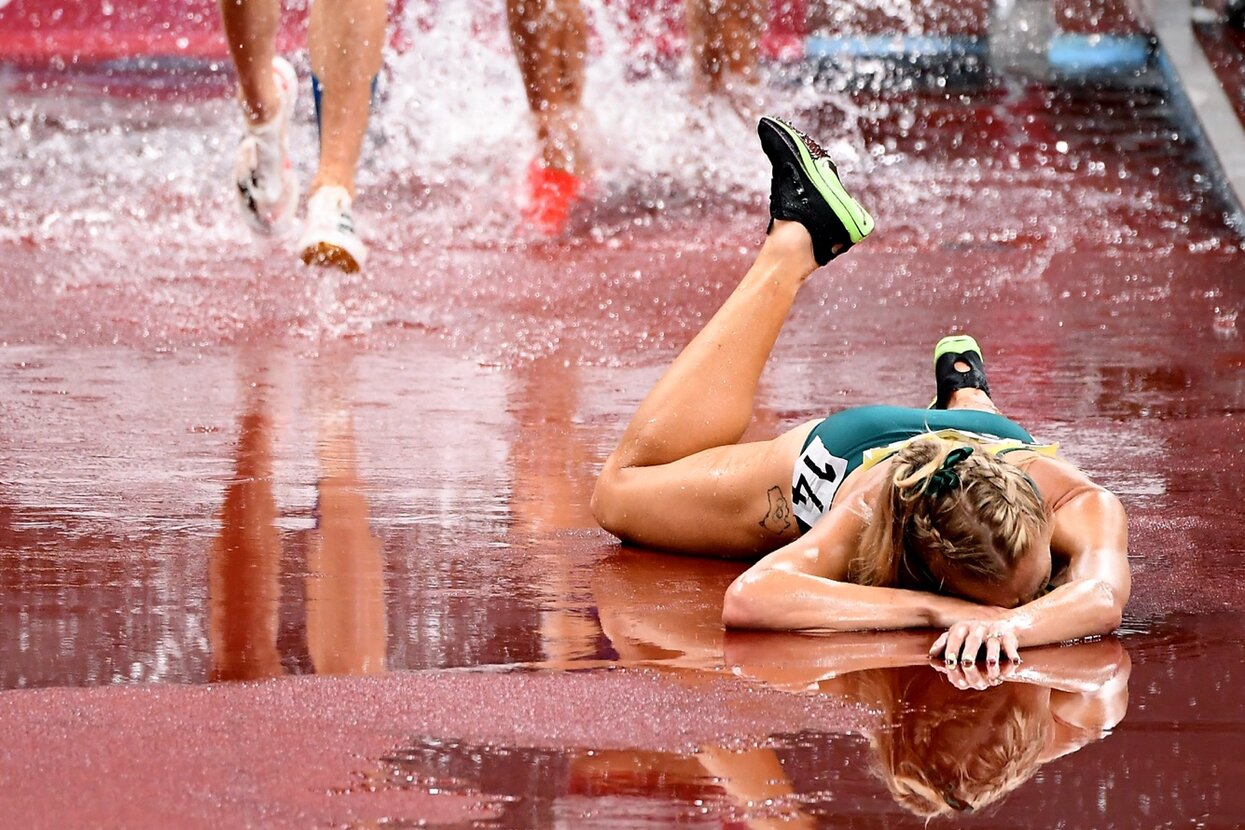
(992, 662)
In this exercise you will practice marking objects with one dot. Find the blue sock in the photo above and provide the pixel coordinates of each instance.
(317, 91)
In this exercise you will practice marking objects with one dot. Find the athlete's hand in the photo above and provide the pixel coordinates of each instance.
(969, 640)
(965, 676)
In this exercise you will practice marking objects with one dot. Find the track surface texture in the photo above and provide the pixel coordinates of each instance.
(222, 473)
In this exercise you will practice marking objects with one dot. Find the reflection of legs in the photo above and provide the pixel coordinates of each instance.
(678, 479)
(250, 27)
(346, 630)
(549, 468)
(549, 42)
(245, 560)
(345, 41)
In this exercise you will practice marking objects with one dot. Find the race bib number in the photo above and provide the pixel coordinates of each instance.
(814, 482)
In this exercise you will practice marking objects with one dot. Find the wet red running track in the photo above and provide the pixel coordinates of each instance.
(218, 466)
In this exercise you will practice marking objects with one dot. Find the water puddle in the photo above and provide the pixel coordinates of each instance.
(1069, 737)
(216, 466)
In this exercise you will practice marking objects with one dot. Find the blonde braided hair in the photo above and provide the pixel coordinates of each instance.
(949, 508)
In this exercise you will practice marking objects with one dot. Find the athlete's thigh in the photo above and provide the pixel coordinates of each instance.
(732, 501)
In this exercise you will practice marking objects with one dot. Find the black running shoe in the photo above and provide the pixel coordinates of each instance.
(806, 189)
(949, 351)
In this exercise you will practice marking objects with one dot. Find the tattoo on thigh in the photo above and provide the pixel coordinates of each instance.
(778, 519)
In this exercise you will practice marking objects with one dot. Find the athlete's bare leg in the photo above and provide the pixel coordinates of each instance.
(678, 479)
(345, 41)
(971, 398)
(549, 42)
(705, 398)
(250, 28)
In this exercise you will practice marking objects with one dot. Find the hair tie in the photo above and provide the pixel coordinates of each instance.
(945, 478)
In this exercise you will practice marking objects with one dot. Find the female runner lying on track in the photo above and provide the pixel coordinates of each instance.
(876, 517)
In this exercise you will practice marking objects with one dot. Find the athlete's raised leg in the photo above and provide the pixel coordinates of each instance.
(678, 479)
(705, 398)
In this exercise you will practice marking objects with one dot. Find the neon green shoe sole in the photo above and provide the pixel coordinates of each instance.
(806, 188)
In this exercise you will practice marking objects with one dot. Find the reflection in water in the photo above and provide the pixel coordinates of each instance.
(936, 748)
(344, 602)
(244, 590)
(552, 472)
(345, 584)
(954, 741)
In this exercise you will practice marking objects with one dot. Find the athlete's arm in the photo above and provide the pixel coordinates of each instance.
(1091, 531)
(802, 587)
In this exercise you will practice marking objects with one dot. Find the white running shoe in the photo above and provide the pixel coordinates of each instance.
(329, 236)
(266, 184)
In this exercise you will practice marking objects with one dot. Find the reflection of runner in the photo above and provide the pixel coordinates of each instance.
(876, 519)
(949, 739)
(244, 564)
(550, 42)
(939, 750)
(344, 608)
(346, 626)
(345, 40)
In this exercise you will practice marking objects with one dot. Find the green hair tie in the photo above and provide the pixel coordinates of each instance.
(945, 478)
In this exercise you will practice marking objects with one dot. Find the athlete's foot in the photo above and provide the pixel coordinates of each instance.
(960, 375)
(329, 238)
(557, 178)
(805, 188)
(550, 196)
(264, 179)
(789, 247)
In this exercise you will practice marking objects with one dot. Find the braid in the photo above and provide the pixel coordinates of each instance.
(978, 526)
(913, 568)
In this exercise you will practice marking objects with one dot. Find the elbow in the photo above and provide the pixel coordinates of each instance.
(1108, 604)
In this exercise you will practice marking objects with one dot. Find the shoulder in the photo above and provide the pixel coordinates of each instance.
(1060, 481)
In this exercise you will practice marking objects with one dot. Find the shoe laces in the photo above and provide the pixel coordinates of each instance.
(814, 149)
(820, 157)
